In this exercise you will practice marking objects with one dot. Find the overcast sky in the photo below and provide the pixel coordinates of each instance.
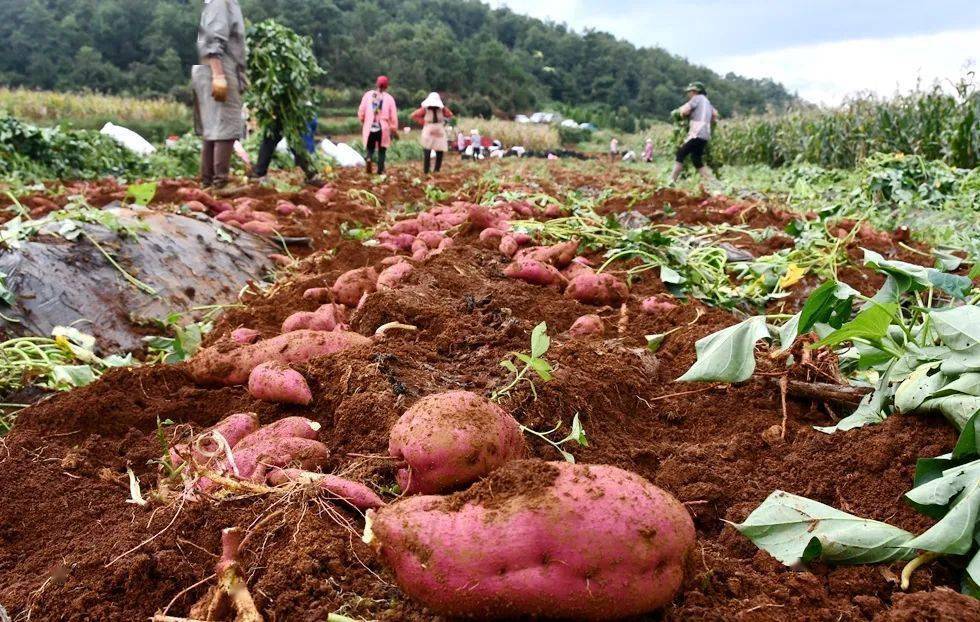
(824, 49)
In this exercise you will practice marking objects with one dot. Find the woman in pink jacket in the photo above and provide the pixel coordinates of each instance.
(379, 117)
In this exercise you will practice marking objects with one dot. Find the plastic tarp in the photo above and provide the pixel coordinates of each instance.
(185, 260)
(128, 139)
(342, 153)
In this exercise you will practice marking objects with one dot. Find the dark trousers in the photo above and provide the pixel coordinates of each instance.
(216, 162)
(374, 142)
(694, 148)
(427, 161)
(267, 150)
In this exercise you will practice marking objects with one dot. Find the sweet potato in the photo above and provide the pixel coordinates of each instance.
(534, 539)
(245, 335)
(281, 260)
(534, 272)
(491, 237)
(350, 286)
(586, 326)
(354, 493)
(327, 317)
(558, 255)
(395, 241)
(259, 228)
(484, 217)
(409, 226)
(432, 238)
(232, 428)
(228, 217)
(392, 276)
(196, 206)
(597, 289)
(579, 265)
(450, 439)
(655, 306)
(325, 193)
(255, 461)
(553, 211)
(285, 208)
(264, 217)
(274, 382)
(318, 294)
(508, 245)
(221, 364)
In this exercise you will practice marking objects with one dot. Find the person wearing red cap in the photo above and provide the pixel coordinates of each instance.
(379, 118)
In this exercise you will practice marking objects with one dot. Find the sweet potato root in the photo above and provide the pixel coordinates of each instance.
(327, 317)
(597, 289)
(274, 382)
(392, 276)
(244, 335)
(204, 446)
(655, 305)
(354, 493)
(229, 363)
(558, 255)
(586, 326)
(534, 539)
(534, 272)
(350, 286)
(450, 439)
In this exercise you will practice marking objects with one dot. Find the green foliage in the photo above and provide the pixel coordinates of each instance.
(533, 361)
(932, 124)
(281, 71)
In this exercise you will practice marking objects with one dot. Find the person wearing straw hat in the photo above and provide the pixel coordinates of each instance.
(379, 118)
(701, 115)
(432, 116)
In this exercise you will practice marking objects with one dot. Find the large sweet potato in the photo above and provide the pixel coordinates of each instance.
(534, 272)
(450, 439)
(274, 382)
(587, 326)
(350, 286)
(228, 363)
(289, 441)
(392, 276)
(597, 289)
(535, 539)
(327, 317)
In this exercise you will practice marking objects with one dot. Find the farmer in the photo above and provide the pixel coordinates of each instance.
(267, 149)
(701, 114)
(648, 151)
(432, 115)
(476, 144)
(614, 149)
(379, 117)
(218, 84)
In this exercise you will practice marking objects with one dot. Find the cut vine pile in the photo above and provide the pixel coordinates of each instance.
(99, 521)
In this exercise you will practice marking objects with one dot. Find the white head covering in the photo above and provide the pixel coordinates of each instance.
(433, 101)
(474, 132)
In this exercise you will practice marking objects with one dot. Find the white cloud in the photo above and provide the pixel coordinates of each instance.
(827, 72)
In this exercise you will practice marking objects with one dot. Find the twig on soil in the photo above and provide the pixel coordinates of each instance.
(163, 617)
(670, 395)
(783, 386)
(392, 326)
(822, 391)
(150, 539)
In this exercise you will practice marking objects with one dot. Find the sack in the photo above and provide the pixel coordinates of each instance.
(128, 139)
(342, 154)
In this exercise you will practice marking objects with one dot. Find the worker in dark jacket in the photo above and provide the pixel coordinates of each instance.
(219, 82)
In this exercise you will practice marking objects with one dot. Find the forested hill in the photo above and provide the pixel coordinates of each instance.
(489, 60)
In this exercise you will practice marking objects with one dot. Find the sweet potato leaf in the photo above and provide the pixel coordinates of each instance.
(795, 529)
(870, 324)
(729, 354)
(912, 277)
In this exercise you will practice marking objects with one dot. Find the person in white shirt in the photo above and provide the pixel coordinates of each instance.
(701, 114)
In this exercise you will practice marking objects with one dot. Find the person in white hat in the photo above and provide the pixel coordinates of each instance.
(432, 116)
(476, 143)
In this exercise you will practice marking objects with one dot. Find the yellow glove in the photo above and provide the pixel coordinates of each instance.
(219, 88)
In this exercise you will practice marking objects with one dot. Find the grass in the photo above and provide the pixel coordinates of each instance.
(530, 136)
(154, 118)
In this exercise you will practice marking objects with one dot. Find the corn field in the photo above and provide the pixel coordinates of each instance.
(933, 124)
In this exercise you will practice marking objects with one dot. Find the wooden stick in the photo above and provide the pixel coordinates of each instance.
(824, 391)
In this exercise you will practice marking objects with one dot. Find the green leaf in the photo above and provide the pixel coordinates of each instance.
(509, 366)
(918, 387)
(788, 333)
(542, 368)
(540, 341)
(729, 354)
(578, 433)
(871, 410)
(953, 534)
(828, 304)
(872, 324)
(795, 529)
(142, 194)
(69, 376)
(958, 327)
(655, 341)
(911, 277)
(669, 275)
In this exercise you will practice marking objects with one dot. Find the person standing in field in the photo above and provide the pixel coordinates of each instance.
(432, 115)
(267, 149)
(461, 144)
(701, 114)
(219, 82)
(614, 149)
(379, 118)
(648, 151)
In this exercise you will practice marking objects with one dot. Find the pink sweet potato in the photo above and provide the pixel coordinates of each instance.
(327, 317)
(325, 194)
(228, 217)
(432, 238)
(597, 289)
(281, 260)
(655, 305)
(274, 382)
(264, 217)
(586, 326)
(508, 245)
(354, 493)
(350, 286)
(204, 447)
(534, 272)
(392, 276)
(395, 241)
(450, 439)
(229, 364)
(484, 217)
(491, 237)
(255, 461)
(245, 335)
(445, 243)
(196, 206)
(579, 265)
(259, 228)
(409, 226)
(549, 540)
(558, 255)
(318, 294)
(285, 208)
